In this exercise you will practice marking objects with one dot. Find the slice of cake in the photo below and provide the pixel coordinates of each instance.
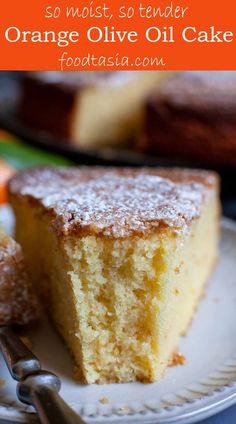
(121, 258)
(17, 303)
(192, 116)
(89, 108)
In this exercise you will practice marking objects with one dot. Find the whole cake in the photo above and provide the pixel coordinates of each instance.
(17, 303)
(121, 258)
(192, 116)
(89, 108)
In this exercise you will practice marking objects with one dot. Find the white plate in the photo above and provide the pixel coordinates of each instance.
(187, 394)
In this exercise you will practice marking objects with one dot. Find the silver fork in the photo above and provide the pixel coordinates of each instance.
(35, 386)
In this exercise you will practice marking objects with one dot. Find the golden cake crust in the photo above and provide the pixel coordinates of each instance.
(17, 303)
(192, 117)
(115, 202)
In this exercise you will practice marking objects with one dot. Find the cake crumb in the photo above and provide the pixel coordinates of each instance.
(104, 401)
(124, 408)
(177, 292)
(178, 268)
(177, 359)
(2, 382)
(27, 342)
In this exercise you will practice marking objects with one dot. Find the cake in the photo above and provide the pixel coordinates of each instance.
(17, 302)
(192, 116)
(121, 258)
(90, 109)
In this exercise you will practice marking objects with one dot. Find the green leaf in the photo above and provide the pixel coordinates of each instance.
(21, 156)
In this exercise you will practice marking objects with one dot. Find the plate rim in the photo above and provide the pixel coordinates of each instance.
(211, 408)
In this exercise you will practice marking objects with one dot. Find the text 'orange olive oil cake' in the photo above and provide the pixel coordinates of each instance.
(121, 258)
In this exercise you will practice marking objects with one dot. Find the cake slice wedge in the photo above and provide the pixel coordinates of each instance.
(197, 108)
(87, 109)
(121, 258)
(17, 303)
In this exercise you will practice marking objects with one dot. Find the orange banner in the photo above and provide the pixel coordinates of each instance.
(107, 35)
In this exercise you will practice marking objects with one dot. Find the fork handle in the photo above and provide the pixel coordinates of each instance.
(41, 391)
(19, 359)
(35, 387)
(52, 409)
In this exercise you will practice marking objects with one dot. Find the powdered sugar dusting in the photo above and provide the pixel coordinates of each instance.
(111, 202)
